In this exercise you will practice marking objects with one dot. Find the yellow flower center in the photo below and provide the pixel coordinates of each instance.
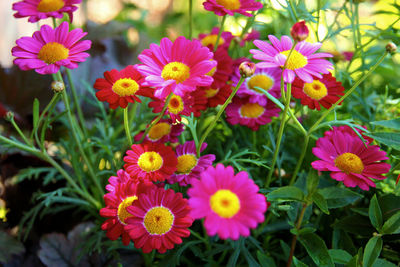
(251, 110)
(210, 92)
(296, 60)
(53, 52)
(175, 104)
(158, 220)
(225, 203)
(122, 212)
(212, 71)
(229, 4)
(159, 130)
(177, 71)
(186, 163)
(260, 80)
(50, 5)
(349, 162)
(316, 90)
(212, 40)
(125, 86)
(150, 161)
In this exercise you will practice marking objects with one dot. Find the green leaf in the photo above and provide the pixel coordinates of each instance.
(264, 260)
(356, 260)
(337, 197)
(392, 124)
(390, 139)
(340, 256)
(298, 263)
(233, 259)
(317, 249)
(9, 246)
(392, 226)
(372, 251)
(375, 213)
(355, 224)
(312, 182)
(320, 201)
(287, 193)
(35, 112)
(383, 263)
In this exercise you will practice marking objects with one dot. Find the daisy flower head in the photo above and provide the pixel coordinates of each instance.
(150, 162)
(348, 130)
(199, 102)
(268, 79)
(209, 40)
(42, 9)
(251, 36)
(349, 160)
(49, 49)
(217, 96)
(252, 115)
(119, 88)
(230, 203)
(223, 70)
(177, 106)
(323, 91)
(176, 67)
(123, 191)
(162, 132)
(230, 7)
(302, 62)
(189, 166)
(160, 218)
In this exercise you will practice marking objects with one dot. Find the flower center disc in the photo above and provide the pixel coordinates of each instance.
(159, 130)
(175, 104)
(349, 162)
(260, 80)
(296, 60)
(210, 92)
(212, 40)
(316, 90)
(213, 70)
(225, 203)
(122, 212)
(52, 52)
(158, 220)
(251, 110)
(186, 163)
(177, 71)
(50, 5)
(150, 161)
(229, 4)
(125, 86)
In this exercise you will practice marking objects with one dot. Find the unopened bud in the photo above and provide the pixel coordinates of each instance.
(299, 31)
(57, 86)
(391, 47)
(247, 69)
(9, 116)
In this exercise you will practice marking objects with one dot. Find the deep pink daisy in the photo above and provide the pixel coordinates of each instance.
(42, 9)
(348, 160)
(160, 218)
(252, 115)
(268, 79)
(210, 39)
(223, 69)
(230, 203)
(248, 37)
(302, 62)
(189, 166)
(162, 132)
(177, 106)
(49, 49)
(230, 7)
(347, 129)
(176, 67)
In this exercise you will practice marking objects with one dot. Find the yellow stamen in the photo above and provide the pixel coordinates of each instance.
(53, 52)
(159, 130)
(122, 212)
(316, 90)
(125, 86)
(210, 92)
(50, 5)
(225, 203)
(212, 40)
(150, 161)
(251, 110)
(186, 163)
(229, 4)
(158, 220)
(177, 71)
(296, 60)
(349, 162)
(175, 104)
(260, 80)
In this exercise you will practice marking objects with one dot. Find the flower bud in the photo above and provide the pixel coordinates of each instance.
(57, 86)
(9, 116)
(299, 31)
(391, 48)
(247, 69)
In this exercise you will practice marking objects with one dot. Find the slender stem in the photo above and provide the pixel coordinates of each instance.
(19, 145)
(293, 9)
(190, 18)
(220, 111)
(21, 134)
(36, 127)
(396, 167)
(298, 226)
(221, 29)
(300, 161)
(127, 128)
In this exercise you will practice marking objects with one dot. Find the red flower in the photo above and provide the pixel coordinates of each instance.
(299, 31)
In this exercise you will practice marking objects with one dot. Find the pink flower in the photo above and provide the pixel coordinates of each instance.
(49, 49)
(223, 70)
(348, 160)
(189, 166)
(210, 39)
(253, 35)
(42, 9)
(162, 132)
(302, 62)
(230, 203)
(177, 106)
(176, 67)
(299, 31)
(348, 130)
(230, 7)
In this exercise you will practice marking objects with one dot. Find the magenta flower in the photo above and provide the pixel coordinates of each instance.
(162, 132)
(49, 49)
(42, 9)
(189, 166)
(302, 62)
(210, 39)
(230, 203)
(253, 35)
(176, 67)
(348, 160)
(299, 31)
(230, 7)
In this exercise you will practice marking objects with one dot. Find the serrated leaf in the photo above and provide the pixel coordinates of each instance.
(35, 112)
(392, 225)
(372, 251)
(340, 256)
(390, 139)
(375, 213)
(337, 197)
(320, 201)
(317, 249)
(391, 124)
(287, 193)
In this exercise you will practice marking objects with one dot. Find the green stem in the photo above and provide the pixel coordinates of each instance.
(293, 9)
(21, 134)
(190, 18)
(127, 128)
(36, 127)
(396, 167)
(300, 161)
(221, 29)
(220, 111)
(298, 226)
